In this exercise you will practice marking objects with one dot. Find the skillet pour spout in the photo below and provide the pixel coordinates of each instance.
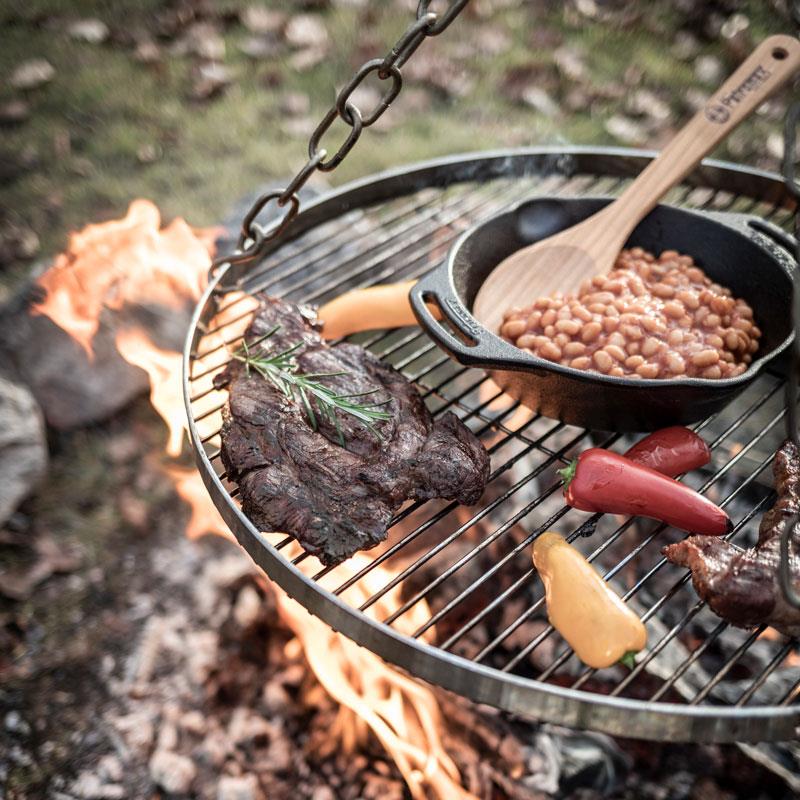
(739, 251)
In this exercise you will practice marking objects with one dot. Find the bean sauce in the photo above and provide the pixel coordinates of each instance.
(647, 318)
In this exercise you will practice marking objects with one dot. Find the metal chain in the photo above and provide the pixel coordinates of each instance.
(253, 238)
(790, 155)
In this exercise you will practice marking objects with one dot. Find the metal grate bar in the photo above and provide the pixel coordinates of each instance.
(475, 519)
(502, 529)
(726, 667)
(692, 659)
(761, 678)
(341, 239)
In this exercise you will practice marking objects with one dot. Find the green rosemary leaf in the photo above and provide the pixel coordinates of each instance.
(281, 369)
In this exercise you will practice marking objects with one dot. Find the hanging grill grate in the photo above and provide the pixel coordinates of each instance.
(468, 609)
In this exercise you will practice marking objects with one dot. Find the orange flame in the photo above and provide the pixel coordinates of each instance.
(404, 715)
(164, 371)
(130, 260)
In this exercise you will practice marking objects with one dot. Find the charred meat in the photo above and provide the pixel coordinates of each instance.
(741, 586)
(332, 480)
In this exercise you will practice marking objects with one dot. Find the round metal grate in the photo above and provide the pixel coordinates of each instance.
(452, 596)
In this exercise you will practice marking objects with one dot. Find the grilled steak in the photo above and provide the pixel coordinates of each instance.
(337, 499)
(741, 586)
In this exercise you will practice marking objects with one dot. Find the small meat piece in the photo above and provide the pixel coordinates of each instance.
(337, 499)
(742, 586)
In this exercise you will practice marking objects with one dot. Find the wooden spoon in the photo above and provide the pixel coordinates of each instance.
(563, 261)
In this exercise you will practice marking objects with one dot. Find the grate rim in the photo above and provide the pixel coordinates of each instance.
(497, 180)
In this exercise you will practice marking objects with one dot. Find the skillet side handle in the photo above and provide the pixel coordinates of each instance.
(434, 288)
(778, 235)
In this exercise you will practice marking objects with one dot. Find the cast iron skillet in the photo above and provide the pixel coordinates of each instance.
(736, 250)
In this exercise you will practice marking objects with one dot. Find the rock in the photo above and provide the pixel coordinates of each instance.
(648, 104)
(90, 787)
(172, 772)
(32, 73)
(244, 787)
(307, 58)
(94, 31)
(72, 389)
(246, 726)
(14, 112)
(323, 793)
(148, 153)
(23, 446)
(737, 36)
(708, 70)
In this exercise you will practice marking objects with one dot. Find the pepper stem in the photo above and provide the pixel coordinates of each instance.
(568, 473)
(629, 659)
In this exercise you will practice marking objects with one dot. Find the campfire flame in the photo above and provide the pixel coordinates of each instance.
(125, 261)
(135, 261)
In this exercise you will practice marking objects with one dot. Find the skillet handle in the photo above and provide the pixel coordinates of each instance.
(433, 288)
(778, 235)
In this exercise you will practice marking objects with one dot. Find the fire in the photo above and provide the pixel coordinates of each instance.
(403, 714)
(133, 260)
(164, 370)
(130, 260)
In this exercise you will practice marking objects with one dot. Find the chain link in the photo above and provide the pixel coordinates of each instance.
(454, 8)
(253, 238)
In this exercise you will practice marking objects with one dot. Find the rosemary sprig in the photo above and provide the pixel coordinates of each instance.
(282, 370)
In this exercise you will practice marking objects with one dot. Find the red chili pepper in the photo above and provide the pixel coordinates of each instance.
(671, 451)
(599, 480)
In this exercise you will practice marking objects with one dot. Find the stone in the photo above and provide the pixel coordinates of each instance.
(23, 446)
(72, 389)
(32, 73)
(243, 787)
(172, 772)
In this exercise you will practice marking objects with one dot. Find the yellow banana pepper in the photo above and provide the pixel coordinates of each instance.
(583, 608)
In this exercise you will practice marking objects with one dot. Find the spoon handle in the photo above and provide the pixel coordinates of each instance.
(768, 67)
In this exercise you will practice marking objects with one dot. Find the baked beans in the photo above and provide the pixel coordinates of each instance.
(648, 318)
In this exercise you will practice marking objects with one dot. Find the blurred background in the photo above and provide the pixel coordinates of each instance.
(136, 662)
(195, 104)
